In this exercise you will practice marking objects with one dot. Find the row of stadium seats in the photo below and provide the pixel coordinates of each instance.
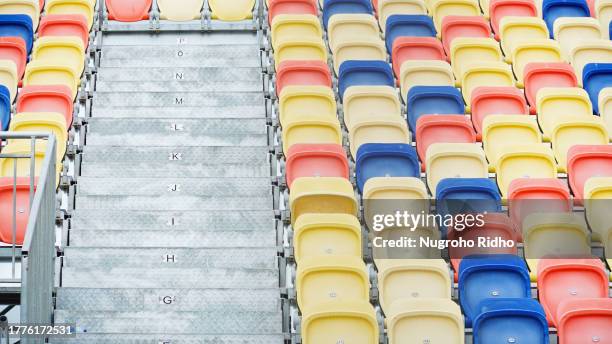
(48, 70)
(136, 10)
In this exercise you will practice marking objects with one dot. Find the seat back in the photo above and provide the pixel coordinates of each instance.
(537, 75)
(53, 98)
(302, 102)
(64, 25)
(499, 9)
(82, 7)
(128, 11)
(605, 108)
(501, 131)
(364, 73)
(454, 160)
(316, 160)
(585, 162)
(304, 73)
(326, 235)
(40, 73)
(596, 77)
(276, 7)
(9, 77)
(17, 25)
(495, 100)
(387, 8)
(43, 122)
(185, 11)
(314, 129)
(413, 25)
(382, 129)
(15, 215)
(14, 49)
(513, 30)
(432, 129)
(528, 196)
(63, 51)
(463, 26)
(415, 48)
(590, 51)
(322, 195)
(465, 51)
(5, 107)
(346, 28)
(585, 320)
(333, 7)
(534, 51)
(485, 74)
(385, 160)
(28, 7)
(553, 9)
(23, 165)
(425, 73)
(231, 10)
(292, 49)
(340, 321)
(442, 8)
(588, 131)
(524, 161)
(286, 27)
(437, 100)
(467, 196)
(561, 104)
(597, 196)
(366, 49)
(362, 103)
(570, 32)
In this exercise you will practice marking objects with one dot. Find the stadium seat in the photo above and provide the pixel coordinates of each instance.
(604, 16)
(28, 7)
(442, 8)
(463, 26)
(38, 122)
(586, 52)
(302, 73)
(438, 100)
(359, 50)
(454, 160)
(500, 131)
(362, 103)
(432, 129)
(597, 200)
(316, 160)
(531, 51)
(560, 104)
(553, 9)
(5, 108)
(23, 147)
(425, 73)
(400, 279)
(421, 320)
(415, 48)
(537, 75)
(513, 30)
(286, 27)
(276, 7)
(387, 8)
(86, 8)
(468, 51)
(313, 129)
(187, 10)
(17, 215)
(323, 195)
(64, 25)
(17, 25)
(534, 195)
(408, 26)
(340, 321)
(491, 276)
(301, 49)
(510, 320)
(467, 196)
(128, 11)
(570, 32)
(53, 98)
(565, 279)
(604, 108)
(587, 131)
(585, 321)
(485, 74)
(9, 77)
(385, 160)
(493, 100)
(13, 48)
(499, 9)
(524, 161)
(384, 128)
(326, 235)
(347, 28)
(364, 73)
(235, 10)
(301, 102)
(333, 7)
(40, 73)
(596, 76)
(64, 51)
(586, 161)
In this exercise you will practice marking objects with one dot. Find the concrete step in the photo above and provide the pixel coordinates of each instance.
(169, 278)
(201, 170)
(170, 258)
(179, 86)
(153, 40)
(178, 155)
(206, 75)
(195, 98)
(126, 338)
(172, 202)
(173, 238)
(117, 110)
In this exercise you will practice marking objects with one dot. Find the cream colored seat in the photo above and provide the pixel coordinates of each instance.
(454, 160)
(346, 28)
(425, 73)
(340, 321)
(570, 31)
(585, 131)
(485, 74)
(467, 51)
(524, 161)
(514, 30)
(322, 195)
(384, 128)
(301, 102)
(362, 103)
(560, 104)
(326, 235)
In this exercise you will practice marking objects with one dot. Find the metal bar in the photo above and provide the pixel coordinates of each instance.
(14, 231)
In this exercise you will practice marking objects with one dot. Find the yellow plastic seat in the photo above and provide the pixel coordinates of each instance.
(61, 50)
(425, 73)
(313, 129)
(605, 108)
(527, 52)
(603, 8)
(454, 160)
(363, 103)
(559, 104)
(326, 235)
(340, 321)
(298, 48)
(289, 26)
(322, 279)
(84, 7)
(407, 193)
(554, 235)
(387, 8)
(585, 131)
(302, 102)
(419, 320)
(343, 28)
(597, 205)
(363, 49)
(501, 131)
(485, 74)
(234, 10)
(180, 10)
(467, 51)
(412, 278)
(22, 147)
(524, 161)
(43, 122)
(41, 72)
(321, 195)
(570, 31)
(443, 8)
(382, 252)
(513, 30)
(9, 77)
(29, 7)
(599, 50)
(384, 128)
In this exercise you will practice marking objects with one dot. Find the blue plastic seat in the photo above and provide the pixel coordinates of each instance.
(467, 196)
(433, 100)
(17, 25)
(510, 321)
(491, 276)
(408, 25)
(553, 9)
(364, 73)
(595, 77)
(332, 7)
(385, 160)
(5, 108)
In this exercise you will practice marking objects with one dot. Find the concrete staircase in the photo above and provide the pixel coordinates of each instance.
(173, 238)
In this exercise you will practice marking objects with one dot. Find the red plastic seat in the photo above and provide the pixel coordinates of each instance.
(128, 10)
(542, 74)
(584, 162)
(463, 26)
(14, 49)
(585, 321)
(563, 279)
(416, 48)
(316, 160)
(432, 129)
(290, 7)
(516, 8)
(537, 195)
(46, 98)
(6, 209)
(64, 25)
(496, 101)
(302, 73)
